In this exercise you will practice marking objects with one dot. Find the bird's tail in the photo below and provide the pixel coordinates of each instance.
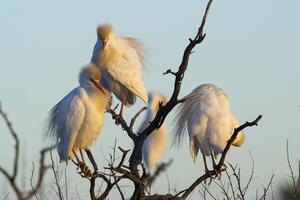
(240, 137)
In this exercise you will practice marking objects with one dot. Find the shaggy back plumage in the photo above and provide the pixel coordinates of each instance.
(182, 114)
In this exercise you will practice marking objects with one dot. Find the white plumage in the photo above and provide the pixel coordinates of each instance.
(156, 142)
(120, 59)
(76, 120)
(207, 116)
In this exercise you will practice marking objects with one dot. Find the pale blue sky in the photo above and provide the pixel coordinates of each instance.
(251, 51)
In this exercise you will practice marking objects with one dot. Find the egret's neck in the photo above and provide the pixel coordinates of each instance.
(111, 53)
(97, 97)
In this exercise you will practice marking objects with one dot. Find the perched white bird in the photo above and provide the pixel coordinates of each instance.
(207, 116)
(77, 119)
(155, 143)
(120, 60)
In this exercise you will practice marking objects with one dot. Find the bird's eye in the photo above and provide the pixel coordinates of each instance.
(93, 81)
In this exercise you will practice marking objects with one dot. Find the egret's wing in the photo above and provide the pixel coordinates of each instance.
(65, 121)
(184, 114)
(127, 71)
(117, 88)
(138, 46)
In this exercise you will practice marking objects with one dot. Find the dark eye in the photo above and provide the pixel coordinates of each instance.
(93, 81)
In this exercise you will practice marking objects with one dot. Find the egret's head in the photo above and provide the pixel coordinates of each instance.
(104, 33)
(155, 98)
(90, 77)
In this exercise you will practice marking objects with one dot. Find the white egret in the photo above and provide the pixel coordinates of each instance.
(120, 59)
(75, 121)
(206, 115)
(155, 143)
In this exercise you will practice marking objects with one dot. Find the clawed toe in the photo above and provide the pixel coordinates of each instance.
(84, 170)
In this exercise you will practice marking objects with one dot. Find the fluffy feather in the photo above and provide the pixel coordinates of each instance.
(76, 120)
(120, 62)
(207, 116)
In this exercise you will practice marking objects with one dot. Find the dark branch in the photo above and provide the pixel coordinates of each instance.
(136, 116)
(123, 124)
(160, 168)
(59, 192)
(169, 71)
(42, 171)
(12, 178)
(17, 145)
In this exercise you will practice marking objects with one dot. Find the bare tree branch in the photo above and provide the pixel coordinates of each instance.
(31, 184)
(160, 168)
(266, 189)
(136, 116)
(17, 145)
(12, 178)
(296, 183)
(59, 192)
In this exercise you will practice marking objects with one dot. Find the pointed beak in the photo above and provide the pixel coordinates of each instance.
(97, 85)
(104, 42)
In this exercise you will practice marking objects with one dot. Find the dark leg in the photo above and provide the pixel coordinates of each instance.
(91, 158)
(119, 116)
(122, 106)
(206, 169)
(218, 172)
(76, 157)
(81, 154)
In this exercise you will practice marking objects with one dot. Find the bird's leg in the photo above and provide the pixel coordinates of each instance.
(79, 163)
(206, 169)
(121, 110)
(84, 168)
(76, 157)
(218, 171)
(82, 157)
(122, 106)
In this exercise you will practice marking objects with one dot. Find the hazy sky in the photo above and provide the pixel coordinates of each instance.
(251, 51)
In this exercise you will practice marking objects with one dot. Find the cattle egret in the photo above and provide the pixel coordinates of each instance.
(206, 115)
(155, 143)
(75, 121)
(120, 59)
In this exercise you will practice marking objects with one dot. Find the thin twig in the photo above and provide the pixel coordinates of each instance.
(11, 178)
(31, 184)
(160, 168)
(123, 123)
(136, 116)
(169, 71)
(17, 145)
(291, 169)
(267, 188)
(59, 192)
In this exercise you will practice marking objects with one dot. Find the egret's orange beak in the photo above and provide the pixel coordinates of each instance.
(104, 43)
(97, 85)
